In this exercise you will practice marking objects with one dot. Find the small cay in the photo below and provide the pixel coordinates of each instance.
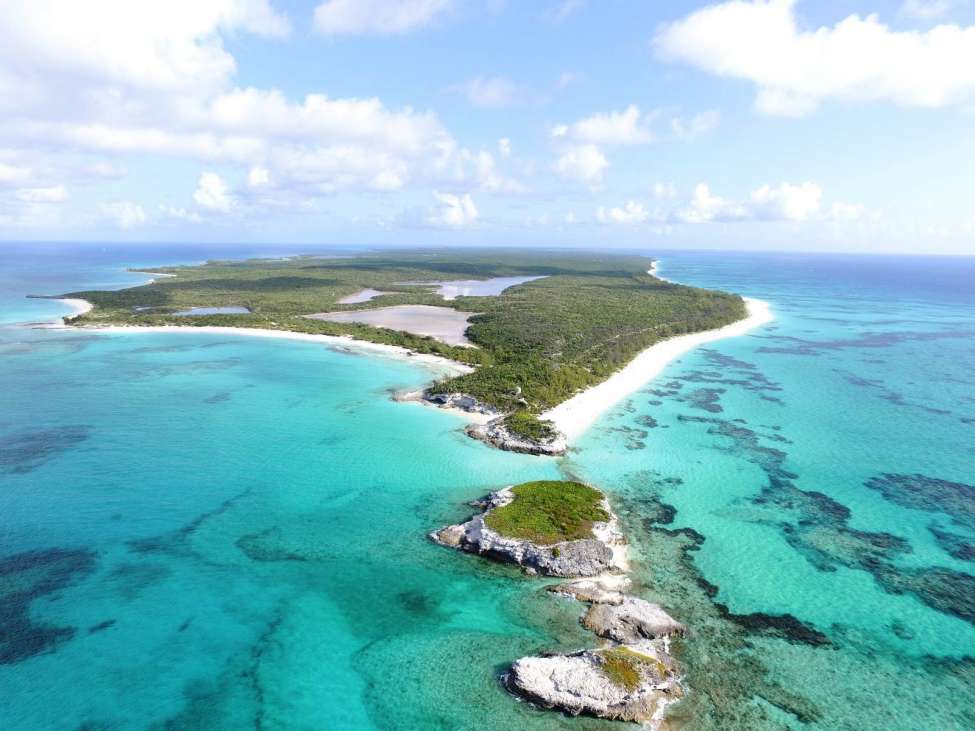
(568, 529)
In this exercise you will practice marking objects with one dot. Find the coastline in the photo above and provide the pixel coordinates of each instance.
(572, 417)
(575, 416)
(439, 364)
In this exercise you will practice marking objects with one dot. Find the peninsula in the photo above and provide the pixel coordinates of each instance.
(529, 330)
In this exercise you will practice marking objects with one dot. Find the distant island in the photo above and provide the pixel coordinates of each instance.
(534, 329)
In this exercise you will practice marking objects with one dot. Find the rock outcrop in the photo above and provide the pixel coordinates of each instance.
(496, 434)
(631, 620)
(461, 401)
(626, 683)
(584, 557)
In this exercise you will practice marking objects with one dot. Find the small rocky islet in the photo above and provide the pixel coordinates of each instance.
(568, 530)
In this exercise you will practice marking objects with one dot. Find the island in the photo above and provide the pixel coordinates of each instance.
(530, 330)
(567, 529)
(532, 346)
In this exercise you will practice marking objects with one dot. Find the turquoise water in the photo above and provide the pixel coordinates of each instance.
(215, 532)
(803, 496)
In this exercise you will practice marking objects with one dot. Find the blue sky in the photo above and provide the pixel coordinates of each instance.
(753, 124)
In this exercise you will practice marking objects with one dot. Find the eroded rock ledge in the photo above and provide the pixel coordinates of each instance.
(592, 556)
(632, 676)
(498, 435)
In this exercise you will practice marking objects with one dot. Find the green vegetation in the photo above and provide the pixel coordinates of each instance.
(525, 424)
(549, 511)
(549, 338)
(622, 666)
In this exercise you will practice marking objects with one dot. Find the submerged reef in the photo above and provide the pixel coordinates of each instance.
(24, 578)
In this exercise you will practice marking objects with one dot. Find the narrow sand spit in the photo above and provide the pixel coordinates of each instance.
(574, 416)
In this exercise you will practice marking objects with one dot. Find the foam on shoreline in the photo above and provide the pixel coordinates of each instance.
(575, 416)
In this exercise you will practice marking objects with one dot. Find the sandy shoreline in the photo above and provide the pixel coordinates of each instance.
(574, 416)
(440, 365)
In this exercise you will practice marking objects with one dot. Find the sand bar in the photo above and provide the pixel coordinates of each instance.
(575, 416)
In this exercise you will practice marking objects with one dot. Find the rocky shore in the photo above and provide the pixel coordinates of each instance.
(497, 434)
(631, 676)
(584, 557)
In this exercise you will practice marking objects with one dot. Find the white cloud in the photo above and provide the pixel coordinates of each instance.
(630, 212)
(377, 17)
(125, 214)
(212, 194)
(856, 60)
(929, 9)
(504, 147)
(664, 190)
(787, 202)
(258, 177)
(13, 174)
(52, 194)
(561, 10)
(705, 207)
(840, 211)
(495, 91)
(454, 211)
(135, 78)
(628, 127)
(697, 125)
(582, 162)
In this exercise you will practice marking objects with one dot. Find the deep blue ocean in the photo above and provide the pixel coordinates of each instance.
(223, 532)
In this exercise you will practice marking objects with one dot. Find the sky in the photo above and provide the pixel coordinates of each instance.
(833, 125)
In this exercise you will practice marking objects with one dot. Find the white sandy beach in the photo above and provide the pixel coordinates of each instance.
(441, 366)
(574, 416)
(78, 307)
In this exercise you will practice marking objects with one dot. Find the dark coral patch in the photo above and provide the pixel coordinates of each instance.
(26, 451)
(785, 626)
(24, 578)
(930, 494)
(953, 544)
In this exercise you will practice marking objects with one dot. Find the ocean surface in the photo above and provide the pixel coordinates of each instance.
(219, 532)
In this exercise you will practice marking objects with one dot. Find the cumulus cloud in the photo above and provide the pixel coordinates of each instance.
(377, 17)
(453, 211)
(582, 162)
(787, 202)
(705, 207)
(858, 59)
(790, 202)
(135, 79)
(51, 194)
(628, 127)
(124, 214)
(495, 91)
(630, 212)
(212, 194)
